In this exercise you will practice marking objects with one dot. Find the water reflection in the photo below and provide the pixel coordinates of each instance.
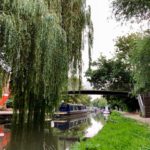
(106, 116)
(26, 138)
(94, 128)
(69, 123)
(60, 137)
(4, 136)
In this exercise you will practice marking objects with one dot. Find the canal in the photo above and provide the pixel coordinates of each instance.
(58, 134)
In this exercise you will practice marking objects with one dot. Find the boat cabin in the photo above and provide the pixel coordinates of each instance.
(67, 107)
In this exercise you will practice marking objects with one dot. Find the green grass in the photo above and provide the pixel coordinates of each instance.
(119, 133)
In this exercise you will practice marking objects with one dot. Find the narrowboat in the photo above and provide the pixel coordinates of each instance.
(68, 109)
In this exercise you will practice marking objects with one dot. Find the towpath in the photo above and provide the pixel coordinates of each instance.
(137, 117)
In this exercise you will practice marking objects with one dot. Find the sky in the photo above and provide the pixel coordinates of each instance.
(106, 31)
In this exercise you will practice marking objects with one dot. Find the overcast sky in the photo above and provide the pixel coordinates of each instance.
(106, 31)
(106, 28)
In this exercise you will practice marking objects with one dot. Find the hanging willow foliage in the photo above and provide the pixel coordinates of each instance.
(35, 46)
(40, 38)
(75, 17)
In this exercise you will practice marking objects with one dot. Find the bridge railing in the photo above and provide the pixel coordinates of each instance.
(142, 106)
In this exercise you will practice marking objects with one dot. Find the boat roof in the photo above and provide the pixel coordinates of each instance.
(72, 104)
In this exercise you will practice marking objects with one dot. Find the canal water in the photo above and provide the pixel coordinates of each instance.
(56, 135)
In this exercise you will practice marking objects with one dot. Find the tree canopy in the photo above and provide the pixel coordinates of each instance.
(139, 10)
(111, 74)
(41, 41)
(126, 9)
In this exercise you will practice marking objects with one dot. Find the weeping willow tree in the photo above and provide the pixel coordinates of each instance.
(40, 39)
(75, 18)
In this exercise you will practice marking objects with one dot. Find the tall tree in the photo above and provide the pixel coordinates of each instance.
(74, 21)
(140, 10)
(35, 39)
(140, 60)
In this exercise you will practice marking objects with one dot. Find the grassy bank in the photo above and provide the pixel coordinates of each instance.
(118, 134)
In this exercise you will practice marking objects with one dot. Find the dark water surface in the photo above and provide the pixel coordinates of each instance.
(56, 135)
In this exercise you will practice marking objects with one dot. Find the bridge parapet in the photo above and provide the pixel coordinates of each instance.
(100, 92)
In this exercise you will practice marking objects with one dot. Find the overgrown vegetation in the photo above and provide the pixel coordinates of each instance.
(119, 133)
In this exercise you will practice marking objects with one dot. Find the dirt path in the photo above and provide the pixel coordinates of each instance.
(136, 117)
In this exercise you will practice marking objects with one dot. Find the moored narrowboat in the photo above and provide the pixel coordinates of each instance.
(68, 109)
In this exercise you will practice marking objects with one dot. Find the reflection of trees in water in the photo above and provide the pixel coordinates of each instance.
(31, 136)
(99, 117)
(24, 138)
(50, 141)
(40, 136)
(77, 130)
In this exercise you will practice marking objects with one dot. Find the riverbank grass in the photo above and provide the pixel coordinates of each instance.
(119, 133)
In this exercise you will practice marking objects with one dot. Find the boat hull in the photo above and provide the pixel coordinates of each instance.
(69, 114)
